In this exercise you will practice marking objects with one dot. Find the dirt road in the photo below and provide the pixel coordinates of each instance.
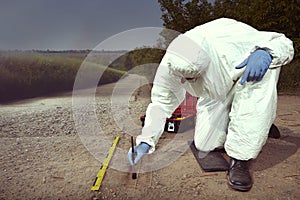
(42, 157)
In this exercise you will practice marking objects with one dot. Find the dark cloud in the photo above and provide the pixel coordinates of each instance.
(69, 24)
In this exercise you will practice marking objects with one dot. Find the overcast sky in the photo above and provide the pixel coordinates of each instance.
(71, 24)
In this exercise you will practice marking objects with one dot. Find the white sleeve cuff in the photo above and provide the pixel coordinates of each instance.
(147, 140)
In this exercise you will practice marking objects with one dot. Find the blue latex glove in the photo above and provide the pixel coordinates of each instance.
(139, 152)
(256, 64)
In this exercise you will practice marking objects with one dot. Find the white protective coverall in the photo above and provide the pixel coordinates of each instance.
(230, 115)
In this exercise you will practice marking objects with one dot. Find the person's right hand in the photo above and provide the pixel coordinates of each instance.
(139, 151)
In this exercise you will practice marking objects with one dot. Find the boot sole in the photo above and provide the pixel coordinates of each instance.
(243, 188)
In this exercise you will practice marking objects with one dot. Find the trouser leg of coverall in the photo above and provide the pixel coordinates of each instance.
(252, 113)
(211, 123)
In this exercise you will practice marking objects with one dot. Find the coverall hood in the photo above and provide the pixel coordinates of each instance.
(186, 63)
(190, 56)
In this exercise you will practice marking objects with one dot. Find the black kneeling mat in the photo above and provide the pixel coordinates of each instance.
(212, 162)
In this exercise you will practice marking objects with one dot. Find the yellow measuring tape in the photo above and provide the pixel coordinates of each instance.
(104, 165)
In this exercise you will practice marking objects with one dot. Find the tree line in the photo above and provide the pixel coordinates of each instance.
(268, 15)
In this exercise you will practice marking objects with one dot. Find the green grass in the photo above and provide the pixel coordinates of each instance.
(32, 74)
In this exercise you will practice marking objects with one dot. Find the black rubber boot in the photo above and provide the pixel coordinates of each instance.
(239, 177)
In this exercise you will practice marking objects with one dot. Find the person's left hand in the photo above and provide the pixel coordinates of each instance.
(256, 64)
